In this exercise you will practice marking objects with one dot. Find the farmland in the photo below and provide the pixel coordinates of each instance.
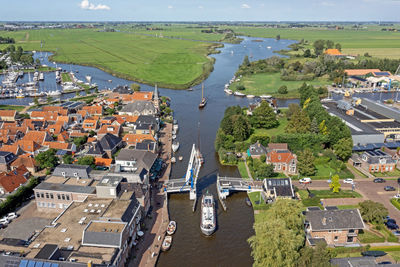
(377, 43)
(168, 62)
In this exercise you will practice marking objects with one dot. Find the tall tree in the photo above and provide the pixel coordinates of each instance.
(292, 109)
(343, 148)
(338, 47)
(373, 212)
(264, 117)
(241, 128)
(246, 61)
(315, 257)
(47, 159)
(329, 44)
(319, 46)
(299, 123)
(305, 162)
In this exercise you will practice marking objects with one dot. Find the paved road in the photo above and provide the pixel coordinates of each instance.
(369, 189)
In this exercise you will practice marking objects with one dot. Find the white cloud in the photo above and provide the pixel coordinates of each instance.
(245, 6)
(329, 4)
(170, 7)
(200, 7)
(85, 4)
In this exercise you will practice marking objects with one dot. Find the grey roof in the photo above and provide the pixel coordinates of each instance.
(257, 149)
(322, 220)
(380, 108)
(143, 158)
(71, 170)
(139, 189)
(6, 157)
(139, 106)
(375, 157)
(110, 141)
(66, 188)
(122, 90)
(110, 181)
(147, 119)
(13, 261)
(283, 187)
(146, 145)
(96, 149)
(355, 262)
(102, 238)
(47, 252)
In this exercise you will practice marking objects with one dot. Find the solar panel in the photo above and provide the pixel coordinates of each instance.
(47, 264)
(39, 264)
(23, 263)
(54, 265)
(31, 264)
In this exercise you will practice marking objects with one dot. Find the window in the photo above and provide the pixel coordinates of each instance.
(63, 174)
(47, 195)
(351, 231)
(63, 197)
(336, 238)
(75, 174)
(67, 197)
(51, 196)
(37, 195)
(58, 196)
(42, 195)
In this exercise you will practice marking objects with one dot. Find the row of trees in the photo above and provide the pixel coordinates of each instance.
(17, 55)
(6, 40)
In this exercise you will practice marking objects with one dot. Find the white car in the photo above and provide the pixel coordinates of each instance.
(12, 216)
(305, 180)
(348, 181)
(397, 196)
(4, 221)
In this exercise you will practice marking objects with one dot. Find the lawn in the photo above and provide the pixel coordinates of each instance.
(395, 255)
(377, 43)
(269, 83)
(370, 237)
(65, 77)
(356, 171)
(322, 194)
(242, 169)
(324, 171)
(346, 207)
(12, 107)
(256, 197)
(168, 62)
(274, 131)
(389, 236)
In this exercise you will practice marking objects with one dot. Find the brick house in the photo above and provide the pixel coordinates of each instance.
(335, 227)
(281, 158)
(10, 181)
(377, 161)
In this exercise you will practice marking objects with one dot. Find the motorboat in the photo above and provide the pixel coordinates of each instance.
(173, 160)
(208, 216)
(265, 96)
(166, 244)
(180, 158)
(228, 91)
(171, 228)
(175, 146)
(251, 96)
(173, 136)
(239, 94)
(88, 78)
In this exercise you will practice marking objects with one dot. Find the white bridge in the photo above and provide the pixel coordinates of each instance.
(189, 182)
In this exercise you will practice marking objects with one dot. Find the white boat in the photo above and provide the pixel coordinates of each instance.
(173, 136)
(20, 96)
(110, 81)
(53, 93)
(269, 47)
(265, 96)
(171, 228)
(88, 78)
(41, 76)
(175, 146)
(176, 127)
(173, 160)
(251, 96)
(180, 158)
(228, 91)
(166, 245)
(239, 94)
(208, 215)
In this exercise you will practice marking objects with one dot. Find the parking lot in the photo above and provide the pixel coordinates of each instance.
(30, 221)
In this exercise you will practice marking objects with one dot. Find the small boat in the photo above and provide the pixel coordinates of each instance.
(251, 96)
(166, 245)
(88, 78)
(173, 160)
(20, 96)
(180, 158)
(175, 146)
(203, 99)
(173, 136)
(269, 47)
(190, 89)
(239, 94)
(248, 202)
(110, 81)
(228, 91)
(41, 76)
(176, 127)
(208, 217)
(265, 96)
(171, 228)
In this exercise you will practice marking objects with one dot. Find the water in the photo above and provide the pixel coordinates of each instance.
(228, 246)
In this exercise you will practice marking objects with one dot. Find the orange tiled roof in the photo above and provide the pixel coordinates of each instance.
(60, 110)
(57, 145)
(26, 161)
(77, 134)
(360, 72)
(137, 138)
(138, 96)
(28, 145)
(93, 110)
(63, 137)
(332, 52)
(280, 157)
(91, 139)
(13, 179)
(102, 162)
(8, 113)
(37, 136)
(55, 128)
(10, 148)
(90, 124)
(112, 129)
(83, 113)
(63, 119)
(46, 115)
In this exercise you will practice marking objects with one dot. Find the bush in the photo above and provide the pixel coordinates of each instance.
(240, 87)
(283, 89)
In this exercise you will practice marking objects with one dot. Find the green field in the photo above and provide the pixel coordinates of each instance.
(377, 43)
(269, 83)
(255, 197)
(274, 131)
(242, 169)
(322, 194)
(12, 107)
(168, 62)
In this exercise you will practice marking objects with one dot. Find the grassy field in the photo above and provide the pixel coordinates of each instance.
(168, 62)
(323, 194)
(372, 40)
(370, 237)
(256, 197)
(274, 131)
(269, 83)
(394, 173)
(17, 108)
(242, 169)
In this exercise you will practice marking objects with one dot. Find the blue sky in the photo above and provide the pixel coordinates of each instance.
(199, 10)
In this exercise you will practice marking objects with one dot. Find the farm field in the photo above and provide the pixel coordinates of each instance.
(168, 62)
(377, 43)
(269, 83)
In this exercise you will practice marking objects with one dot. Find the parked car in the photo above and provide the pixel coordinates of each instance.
(389, 188)
(4, 221)
(385, 262)
(348, 181)
(396, 233)
(392, 226)
(305, 180)
(397, 196)
(12, 216)
(379, 180)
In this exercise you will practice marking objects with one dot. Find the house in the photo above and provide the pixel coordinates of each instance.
(6, 158)
(106, 146)
(142, 194)
(137, 96)
(72, 171)
(93, 110)
(56, 129)
(112, 129)
(10, 181)
(38, 137)
(63, 111)
(71, 147)
(133, 139)
(147, 145)
(109, 187)
(63, 137)
(29, 146)
(134, 161)
(278, 189)
(15, 149)
(103, 162)
(90, 125)
(335, 227)
(256, 150)
(333, 52)
(146, 124)
(360, 72)
(25, 160)
(34, 125)
(107, 120)
(138, 108)
(376, 161)
(8, 115)
(281, 158)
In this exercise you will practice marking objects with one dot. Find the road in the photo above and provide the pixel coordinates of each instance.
(366, 187)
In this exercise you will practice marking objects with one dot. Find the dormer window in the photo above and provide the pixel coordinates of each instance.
(63, 174)
(75, 174)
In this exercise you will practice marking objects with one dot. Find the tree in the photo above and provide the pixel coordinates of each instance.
(338, 47)
(283, 90)
(241, 128)
(278, 37)
(226, 125)
(262, 138)
(307, 53)
(319, 46)
(92, 133)
(264, 117)
(263, 170)
(240, 87)
(78, 141)
(47, 159)
(135, 87)
(329, 44)
(305, 162)
(246, 61)
(322, 128)
(335, 185)
(373, 212)
(67, 159)
(86, 160)
(314, 126)
(292, 109)
(343, 148)
(49, 99)
(299, 123)
(280, 227)
(315, 257)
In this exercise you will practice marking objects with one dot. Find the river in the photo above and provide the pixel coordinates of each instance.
(228, 246)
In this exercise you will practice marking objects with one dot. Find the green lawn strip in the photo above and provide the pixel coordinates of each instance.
(256, 197)
(395, 203)
(343, 252)
(362, 175)
(370, 237)
(386, 248)
(390, 237)
(242, 169)
(12, 107)
(394, 173)
(274, 131)
(346, 207)
(323, 194)
(395, 255)
(65, 77)
(269, 83)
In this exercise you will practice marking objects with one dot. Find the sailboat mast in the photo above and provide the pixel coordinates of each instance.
(202, 90)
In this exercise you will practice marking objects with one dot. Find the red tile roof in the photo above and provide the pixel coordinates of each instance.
(8, 113)
(360, 72)
(132, 139)
(333, 52)
(102, 162)
(112, 129)
(26, 161)
(13, 179)
(28, 146)
(36, 136)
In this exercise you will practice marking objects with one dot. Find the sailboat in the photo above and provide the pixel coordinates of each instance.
(203, 99)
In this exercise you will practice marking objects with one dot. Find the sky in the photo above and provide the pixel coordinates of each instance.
(199, 10)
